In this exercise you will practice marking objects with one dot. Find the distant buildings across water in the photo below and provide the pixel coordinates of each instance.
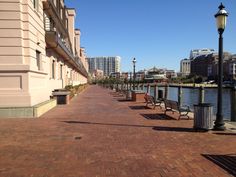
(107, 65)
(185, 66)
(150, 75)
(198, 52)
(204, 62)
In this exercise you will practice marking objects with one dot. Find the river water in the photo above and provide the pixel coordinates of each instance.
(190, 96)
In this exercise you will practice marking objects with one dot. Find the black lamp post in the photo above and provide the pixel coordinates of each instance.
(221, 18)
(130, 80)
(134, 75)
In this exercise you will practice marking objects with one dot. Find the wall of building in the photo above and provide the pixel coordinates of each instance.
(207, 66)
(25, 59)
(185, 67)
(21, 35)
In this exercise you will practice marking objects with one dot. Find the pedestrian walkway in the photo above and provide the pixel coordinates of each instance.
(100, 134)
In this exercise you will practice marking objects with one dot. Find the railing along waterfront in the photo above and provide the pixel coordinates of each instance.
(188, 94)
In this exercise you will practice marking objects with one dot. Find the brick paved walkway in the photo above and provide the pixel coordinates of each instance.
(98, 136)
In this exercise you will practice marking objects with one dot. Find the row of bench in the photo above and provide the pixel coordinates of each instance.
(169, 105)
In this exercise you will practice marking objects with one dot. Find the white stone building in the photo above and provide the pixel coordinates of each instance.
(39, 52)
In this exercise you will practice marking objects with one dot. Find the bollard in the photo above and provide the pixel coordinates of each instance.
(233, 104)
(143, 87)
(117, 88)
(180, 95)
(155, 91)
(201, 95)
(166, 91)
(148, 88)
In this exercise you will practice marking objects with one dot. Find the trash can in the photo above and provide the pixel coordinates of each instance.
(203, 116)
(128, 95)
(160, 94)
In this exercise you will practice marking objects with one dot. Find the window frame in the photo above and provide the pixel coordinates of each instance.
(38, 60)
(36, 5)
(53, 69)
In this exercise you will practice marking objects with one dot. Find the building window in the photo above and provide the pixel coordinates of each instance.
(61, 72)
(38, 59)
(36, 4)
(53, 69)
(66, 23)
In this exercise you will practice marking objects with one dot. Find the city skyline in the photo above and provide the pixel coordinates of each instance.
(107, 64)
(155, 33)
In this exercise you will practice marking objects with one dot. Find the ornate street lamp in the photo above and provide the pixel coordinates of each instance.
(134, 75)
(221, 18)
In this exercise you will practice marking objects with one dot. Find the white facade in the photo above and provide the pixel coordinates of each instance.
(197, 52)
(232, 68)
(185, 67)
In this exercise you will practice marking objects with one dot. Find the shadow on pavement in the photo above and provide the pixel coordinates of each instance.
(174, 129)
(232, 134)
(156, 128)
(107, 124)
(227, 162)
(118, 96)
(157, 117)
(124, 100)
(138, 107)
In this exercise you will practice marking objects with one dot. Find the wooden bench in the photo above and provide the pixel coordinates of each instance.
(150, 100)
(173, 106)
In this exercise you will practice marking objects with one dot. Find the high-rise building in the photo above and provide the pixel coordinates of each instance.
(107, 64)
(185, 67)
(198, 52)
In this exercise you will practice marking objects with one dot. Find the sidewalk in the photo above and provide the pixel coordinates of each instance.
(100, 135)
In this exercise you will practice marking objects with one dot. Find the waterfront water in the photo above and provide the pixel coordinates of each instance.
(190, 96)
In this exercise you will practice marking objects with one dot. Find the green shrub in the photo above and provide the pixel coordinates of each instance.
(69, 87)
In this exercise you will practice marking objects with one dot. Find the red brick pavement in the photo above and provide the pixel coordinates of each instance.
(98, 136)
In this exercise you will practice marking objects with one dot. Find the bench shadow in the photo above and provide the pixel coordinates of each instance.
(157, 116)
(124, 100)
(138, 107)
(227, 162)
(118, 96)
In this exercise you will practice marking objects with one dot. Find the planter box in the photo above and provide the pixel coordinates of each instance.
(138, 95)
(63, 97)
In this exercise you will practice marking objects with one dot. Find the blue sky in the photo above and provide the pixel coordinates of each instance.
(155, 32)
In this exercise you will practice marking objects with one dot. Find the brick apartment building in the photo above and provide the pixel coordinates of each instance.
(207, 66)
